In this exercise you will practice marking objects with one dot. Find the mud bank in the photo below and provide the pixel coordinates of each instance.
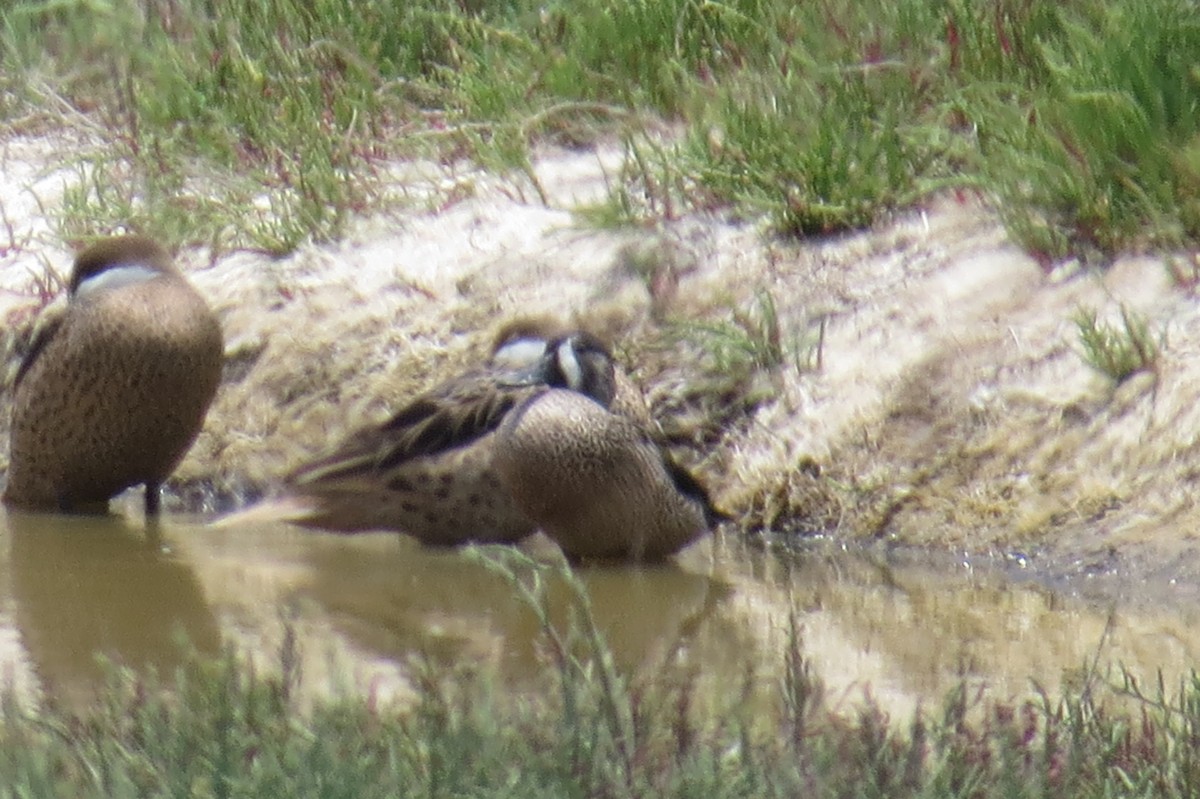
(951, 407)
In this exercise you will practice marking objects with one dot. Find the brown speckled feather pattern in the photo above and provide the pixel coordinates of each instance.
(113, 395)
(427, 471)
(596, 482)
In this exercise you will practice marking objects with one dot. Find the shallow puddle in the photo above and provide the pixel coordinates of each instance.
(903, 628)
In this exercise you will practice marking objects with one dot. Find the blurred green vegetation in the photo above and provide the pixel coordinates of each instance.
(265, 125)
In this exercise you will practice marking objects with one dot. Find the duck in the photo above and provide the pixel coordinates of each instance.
(114, 391)
(426, 471)
(596, 480)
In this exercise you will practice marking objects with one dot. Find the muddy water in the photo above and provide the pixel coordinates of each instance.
(903, 628)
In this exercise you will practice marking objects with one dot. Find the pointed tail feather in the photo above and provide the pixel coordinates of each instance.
(289, 509)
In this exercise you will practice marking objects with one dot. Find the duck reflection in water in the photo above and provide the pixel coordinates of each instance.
(87, 588)
(452, 609)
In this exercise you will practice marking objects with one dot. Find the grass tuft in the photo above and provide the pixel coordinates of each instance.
(754, 339)
(816, 159)
(1118, 352)
(1099, 158)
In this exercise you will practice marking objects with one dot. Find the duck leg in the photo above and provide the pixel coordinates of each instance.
(153, 499)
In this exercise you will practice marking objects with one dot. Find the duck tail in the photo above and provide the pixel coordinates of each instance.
(274, 510)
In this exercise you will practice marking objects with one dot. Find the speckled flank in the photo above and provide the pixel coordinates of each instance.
(118, 392)
(594, 481)
(427, 471)
(446, 499)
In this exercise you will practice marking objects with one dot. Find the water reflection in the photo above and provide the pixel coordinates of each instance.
(904, 628)
(83, 587)
(907, 626)
(399, 599)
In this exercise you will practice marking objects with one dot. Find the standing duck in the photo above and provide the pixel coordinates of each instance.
(114, 392)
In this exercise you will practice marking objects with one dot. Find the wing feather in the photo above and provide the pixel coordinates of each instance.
(41, 337)
(451, 416)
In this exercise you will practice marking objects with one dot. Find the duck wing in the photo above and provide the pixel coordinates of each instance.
(41, 337)
(453, 415)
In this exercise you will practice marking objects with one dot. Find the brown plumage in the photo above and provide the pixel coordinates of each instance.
(595, 480)
(426, 471)
(114, 392)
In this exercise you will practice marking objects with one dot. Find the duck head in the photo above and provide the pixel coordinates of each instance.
(118, 261)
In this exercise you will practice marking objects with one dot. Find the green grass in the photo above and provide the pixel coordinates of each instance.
(1118, 351)
(831, 125)
(220, 728)
(266, 125)
(234, 123)
(1101, 155)
(752, 340)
